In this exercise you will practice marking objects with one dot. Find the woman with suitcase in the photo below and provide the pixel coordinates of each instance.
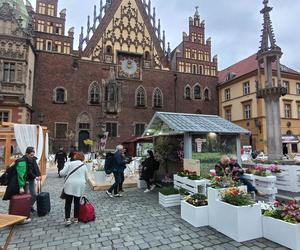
(76, 177)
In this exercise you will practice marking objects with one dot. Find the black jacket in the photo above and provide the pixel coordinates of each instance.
(33, 170)
(61, 157)
(148, 167)
(13, 184)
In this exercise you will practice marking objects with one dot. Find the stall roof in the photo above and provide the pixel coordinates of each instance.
(172, 123)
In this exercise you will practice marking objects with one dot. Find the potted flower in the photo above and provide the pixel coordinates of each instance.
(281, 224)
(194, 210)
(169, 196)
(238, 216)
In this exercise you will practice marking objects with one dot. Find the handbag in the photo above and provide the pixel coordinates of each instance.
(63, 194)
(87, 211)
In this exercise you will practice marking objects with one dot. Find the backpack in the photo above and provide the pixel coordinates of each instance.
(156, 165)
(109, 163)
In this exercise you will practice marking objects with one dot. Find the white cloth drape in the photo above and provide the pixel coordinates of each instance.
(47, 146)
(26, 136)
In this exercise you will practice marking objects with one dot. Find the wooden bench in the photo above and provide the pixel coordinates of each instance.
(7, 220)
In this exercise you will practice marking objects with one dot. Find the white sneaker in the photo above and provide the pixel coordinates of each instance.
(109, 194)
(28, 220)
(68, 222)
(152, 187)
(147, 190)
(118, 195)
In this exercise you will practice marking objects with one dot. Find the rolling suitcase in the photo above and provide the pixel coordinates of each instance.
(20, 205)
(42, 201)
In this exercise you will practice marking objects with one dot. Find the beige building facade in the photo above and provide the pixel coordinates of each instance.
(238, 103)
(17, 62)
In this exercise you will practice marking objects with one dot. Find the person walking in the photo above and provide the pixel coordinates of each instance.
(118, 168)
(76, 173)
(60, 159)
(127, 160)
(149, 167)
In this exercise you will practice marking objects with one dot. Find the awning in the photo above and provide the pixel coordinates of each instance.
(290, 139)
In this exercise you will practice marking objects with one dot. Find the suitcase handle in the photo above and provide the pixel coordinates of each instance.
(39, 186)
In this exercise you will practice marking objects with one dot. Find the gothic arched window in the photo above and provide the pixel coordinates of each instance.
(147, 56)
(140, 97)
(157, 98)
(108, 49)
(94, 93)
(187, 92)
(206, 94)
(60, 95)
(197, 92)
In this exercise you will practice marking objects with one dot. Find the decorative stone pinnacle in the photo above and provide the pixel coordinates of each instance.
(197, 12)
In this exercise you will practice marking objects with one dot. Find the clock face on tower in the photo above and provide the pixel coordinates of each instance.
(129, 66)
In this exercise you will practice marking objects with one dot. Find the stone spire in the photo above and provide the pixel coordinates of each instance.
(268, 56)
(197, 12)
(268, 41)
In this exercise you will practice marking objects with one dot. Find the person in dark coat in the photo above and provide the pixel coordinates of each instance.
(148, 169)
(60, 159)
(17, 175)
(222, 168)
(119, 163)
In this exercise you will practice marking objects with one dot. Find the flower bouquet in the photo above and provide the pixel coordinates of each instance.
(273, 168)
(223, 182)
(259, 170)
(189, 174)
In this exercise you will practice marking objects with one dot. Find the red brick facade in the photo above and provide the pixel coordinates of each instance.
(75, 75)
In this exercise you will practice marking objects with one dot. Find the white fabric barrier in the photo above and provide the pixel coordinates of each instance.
(26, 136)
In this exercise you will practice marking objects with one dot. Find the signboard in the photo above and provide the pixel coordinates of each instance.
(247, 150)
(192, 165)
(199, 142)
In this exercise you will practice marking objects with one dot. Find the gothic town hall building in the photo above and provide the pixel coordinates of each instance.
(121, 74)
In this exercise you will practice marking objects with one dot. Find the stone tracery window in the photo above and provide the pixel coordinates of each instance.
(94, 93)
(197, 91)
(157, 98)
(187, 92)
(206, 94)
(140, 97)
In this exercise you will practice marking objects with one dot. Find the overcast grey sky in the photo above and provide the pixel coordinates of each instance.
(234, 25)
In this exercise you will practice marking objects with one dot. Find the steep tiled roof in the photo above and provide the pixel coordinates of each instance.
(246, 66)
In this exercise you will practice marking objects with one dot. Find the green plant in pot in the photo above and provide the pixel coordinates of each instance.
(169, 190)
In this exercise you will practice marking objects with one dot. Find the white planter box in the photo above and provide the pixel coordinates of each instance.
(100, 177)
(196, 216)
(169, 200)
(213, 197)
(281, 232)
(141, 184)
(289, 178)
(239, 223)
(193, 186)
(264, 184)
(89, 166)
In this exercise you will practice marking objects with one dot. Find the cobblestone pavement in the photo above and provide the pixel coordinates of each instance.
(135, 221)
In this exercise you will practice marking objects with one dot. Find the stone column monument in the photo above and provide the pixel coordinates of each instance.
(269, 87)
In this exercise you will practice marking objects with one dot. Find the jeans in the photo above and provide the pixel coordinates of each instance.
(122, 179)
(30, 188)
(149, 182)
(115, 186)
(250, 187)
(68, 204)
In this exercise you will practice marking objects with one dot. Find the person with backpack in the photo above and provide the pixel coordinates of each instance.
(150, 165)
(60, 159)
(117, 163)
(127, 160)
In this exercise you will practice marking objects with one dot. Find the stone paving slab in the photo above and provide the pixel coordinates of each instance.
(134, 221)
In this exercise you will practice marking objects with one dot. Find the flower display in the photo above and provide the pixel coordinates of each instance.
(223, 182)
(197, 200)
(289, 212)
(259, 170)
(273, 168)
(236, 197)
(189, 174)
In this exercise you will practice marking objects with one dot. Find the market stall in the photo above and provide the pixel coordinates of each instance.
(204, 137)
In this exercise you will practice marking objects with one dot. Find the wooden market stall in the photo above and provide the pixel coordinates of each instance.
(8, 140)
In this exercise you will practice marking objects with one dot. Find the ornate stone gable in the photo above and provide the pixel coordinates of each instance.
(128, 29)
